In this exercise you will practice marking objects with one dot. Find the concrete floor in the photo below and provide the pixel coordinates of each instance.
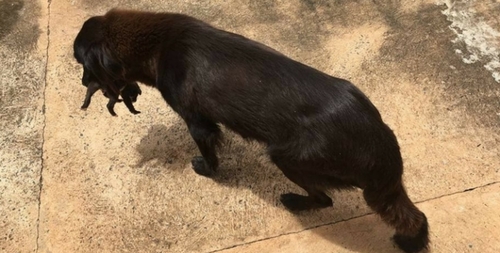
(83, 181)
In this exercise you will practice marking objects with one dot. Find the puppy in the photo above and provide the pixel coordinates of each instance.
(128, 90)
(321, 131)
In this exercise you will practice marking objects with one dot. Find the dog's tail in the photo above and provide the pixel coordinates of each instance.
(397, 210)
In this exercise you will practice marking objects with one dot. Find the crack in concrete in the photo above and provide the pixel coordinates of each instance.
(462, 191)
(43, 129)
(352, 218)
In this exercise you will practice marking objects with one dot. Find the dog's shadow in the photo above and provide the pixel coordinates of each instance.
(165, 147)
(245, 165)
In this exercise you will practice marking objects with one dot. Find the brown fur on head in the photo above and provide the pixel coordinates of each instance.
(320, 131)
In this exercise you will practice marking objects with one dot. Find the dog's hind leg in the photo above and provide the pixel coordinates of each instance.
(316, 198)
(207, 136)
(397, 210)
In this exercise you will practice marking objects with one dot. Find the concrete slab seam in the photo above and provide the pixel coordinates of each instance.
(463, 191)
(43, 129)
(352, 218)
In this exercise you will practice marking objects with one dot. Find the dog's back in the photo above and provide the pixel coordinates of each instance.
(230, 71)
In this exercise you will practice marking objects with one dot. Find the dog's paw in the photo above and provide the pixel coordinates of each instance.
(201, 167)
(295, 202)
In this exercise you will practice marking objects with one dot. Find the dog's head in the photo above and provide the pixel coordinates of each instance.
(90, 50)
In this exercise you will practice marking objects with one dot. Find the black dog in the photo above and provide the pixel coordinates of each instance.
(321, 131)
(128, 90)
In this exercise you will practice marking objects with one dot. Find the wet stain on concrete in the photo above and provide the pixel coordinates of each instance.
(9, 11)
(22, 69)
(421, 45)
(19, 33)
(390, 10)
(19, 26)
(310, 4)
(265, 11)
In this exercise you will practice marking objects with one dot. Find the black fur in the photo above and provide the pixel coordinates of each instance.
(128, 90)
(321, 131)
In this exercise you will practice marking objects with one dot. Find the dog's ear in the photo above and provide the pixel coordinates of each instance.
(91, 51)
(91, 32)
(102, 64)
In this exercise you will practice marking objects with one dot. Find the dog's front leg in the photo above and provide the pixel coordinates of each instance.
(207, 135)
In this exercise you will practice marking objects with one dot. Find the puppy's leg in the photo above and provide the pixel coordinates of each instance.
(91, 89)
(128, 102)
(207, 136)
(111, 104)
(315, 199)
